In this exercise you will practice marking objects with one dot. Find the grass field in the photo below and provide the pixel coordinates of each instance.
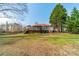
(37, 44)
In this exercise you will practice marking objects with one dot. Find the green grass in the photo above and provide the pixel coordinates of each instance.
(8, 39)
(55, 38)
(64, 38)
(22, 44)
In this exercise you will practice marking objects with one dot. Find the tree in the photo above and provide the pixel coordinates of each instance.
(58, 17)
(73, 22)
(13, 11)
(6, 27)
(17, 11)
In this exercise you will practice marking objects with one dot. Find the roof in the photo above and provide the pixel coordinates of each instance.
(41, 25)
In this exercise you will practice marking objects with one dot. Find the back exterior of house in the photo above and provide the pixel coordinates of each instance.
(40, 28)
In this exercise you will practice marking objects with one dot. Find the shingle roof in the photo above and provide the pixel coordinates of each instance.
(41, 25)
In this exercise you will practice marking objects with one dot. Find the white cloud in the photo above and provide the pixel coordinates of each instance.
(4, 20)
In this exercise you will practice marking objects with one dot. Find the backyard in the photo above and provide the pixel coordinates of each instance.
(37, 44)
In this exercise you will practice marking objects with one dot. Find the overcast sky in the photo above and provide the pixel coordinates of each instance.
(38, 13)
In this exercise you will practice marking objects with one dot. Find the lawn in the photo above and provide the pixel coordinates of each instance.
(39, 44)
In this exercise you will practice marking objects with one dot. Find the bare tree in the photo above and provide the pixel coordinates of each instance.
(13, 11)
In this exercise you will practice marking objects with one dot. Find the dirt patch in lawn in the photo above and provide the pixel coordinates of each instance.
(39, 48)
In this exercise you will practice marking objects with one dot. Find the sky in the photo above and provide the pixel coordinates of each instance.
(38, 13)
